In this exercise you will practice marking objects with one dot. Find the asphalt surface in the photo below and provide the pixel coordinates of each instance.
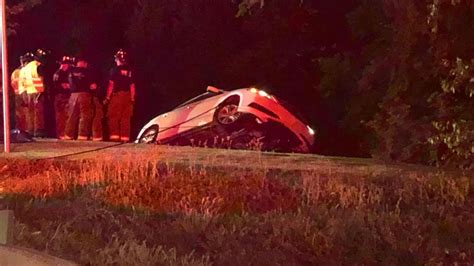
(21, 256)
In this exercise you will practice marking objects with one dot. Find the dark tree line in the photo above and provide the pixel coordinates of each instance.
(391, 79)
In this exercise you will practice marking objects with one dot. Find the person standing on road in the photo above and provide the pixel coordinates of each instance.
(81, 84)
(98, 114)
(18, 90)
(21, 98)
(46, 70)
(62, 94)
(33, 84)
(121, 98)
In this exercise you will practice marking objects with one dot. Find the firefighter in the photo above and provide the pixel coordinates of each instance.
(80, 102)
(21, 98)
(98, 114)
(61, 94)
(46, 70)
(120, 98)
(18, 90)
(34, 86)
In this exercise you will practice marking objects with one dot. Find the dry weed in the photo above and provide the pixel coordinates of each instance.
(148, 212)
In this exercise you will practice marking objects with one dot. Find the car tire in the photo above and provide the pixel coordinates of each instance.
(149, 136)
(227, 114)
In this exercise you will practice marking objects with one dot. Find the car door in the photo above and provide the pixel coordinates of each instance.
(200, 113)
(183, 118)
(170, 122)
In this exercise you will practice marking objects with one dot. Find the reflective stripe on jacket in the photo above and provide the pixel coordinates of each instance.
(15, 82)
(31, 80)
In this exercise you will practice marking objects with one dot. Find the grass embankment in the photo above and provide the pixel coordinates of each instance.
(141, 212)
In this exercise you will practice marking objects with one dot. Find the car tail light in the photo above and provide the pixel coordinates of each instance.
(262, 93)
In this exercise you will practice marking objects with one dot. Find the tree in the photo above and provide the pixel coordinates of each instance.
(425, 111)
(452, 37)
(245, 6)
(409, 82)
(16, 9)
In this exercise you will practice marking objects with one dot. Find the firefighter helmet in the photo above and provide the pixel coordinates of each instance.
(66, 59)
(41, 54)
(26, 58)
(121, 56)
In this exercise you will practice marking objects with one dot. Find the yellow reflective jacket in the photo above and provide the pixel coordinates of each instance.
(32, 82)
(17, 86)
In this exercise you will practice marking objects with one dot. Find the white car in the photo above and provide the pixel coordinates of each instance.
(242, 118)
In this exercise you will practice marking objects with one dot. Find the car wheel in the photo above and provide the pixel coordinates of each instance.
(149, 136)
(227, 114)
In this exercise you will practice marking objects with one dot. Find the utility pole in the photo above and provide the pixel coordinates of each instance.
(5, 82)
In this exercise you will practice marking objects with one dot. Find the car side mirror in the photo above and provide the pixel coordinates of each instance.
(213, 89)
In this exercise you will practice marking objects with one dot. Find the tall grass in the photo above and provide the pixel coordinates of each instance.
(144, 211)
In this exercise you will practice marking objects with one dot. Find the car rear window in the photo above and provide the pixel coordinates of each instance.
(198, 98)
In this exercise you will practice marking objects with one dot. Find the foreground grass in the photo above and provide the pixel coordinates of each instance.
(142, 212)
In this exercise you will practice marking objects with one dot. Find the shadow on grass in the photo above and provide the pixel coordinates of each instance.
(84, 152)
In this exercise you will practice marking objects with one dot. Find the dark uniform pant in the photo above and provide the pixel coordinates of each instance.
(97, 121)
(79, 111)
(119, 116)
(35, 115)
(61, 107)
(21, 108)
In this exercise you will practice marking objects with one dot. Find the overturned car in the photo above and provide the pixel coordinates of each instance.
(246, 118)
